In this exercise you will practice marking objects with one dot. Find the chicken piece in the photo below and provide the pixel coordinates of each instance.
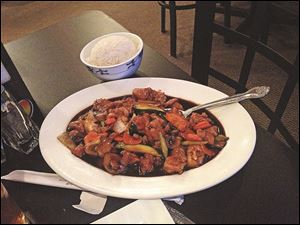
(103, 148)
(213, 130)
(176, 162)
(146, 164)
(112, 164)
(76, 125)
(141, 122)
(76, 136)
(170, 102)
(79, 151)
(101, 105)
(147, 94)
(129, 158)
(195, 156)
(197, 117)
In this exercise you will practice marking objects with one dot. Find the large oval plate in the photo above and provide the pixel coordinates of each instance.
(238, 125)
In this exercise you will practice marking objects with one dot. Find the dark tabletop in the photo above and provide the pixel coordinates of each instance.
(266, 190)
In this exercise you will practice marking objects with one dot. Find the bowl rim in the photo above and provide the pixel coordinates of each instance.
(115, 65)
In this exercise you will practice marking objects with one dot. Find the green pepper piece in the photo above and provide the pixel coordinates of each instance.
(139, 149)
(163, 145)
(221, 137)
(194, 143)
(141, 107)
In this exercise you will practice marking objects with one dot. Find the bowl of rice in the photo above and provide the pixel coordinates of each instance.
(113, 56)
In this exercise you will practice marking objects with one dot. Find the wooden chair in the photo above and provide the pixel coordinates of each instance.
(202, 45)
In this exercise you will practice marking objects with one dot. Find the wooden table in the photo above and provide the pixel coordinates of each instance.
(266, 190)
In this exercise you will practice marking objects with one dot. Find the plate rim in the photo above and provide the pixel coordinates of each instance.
(124, 194)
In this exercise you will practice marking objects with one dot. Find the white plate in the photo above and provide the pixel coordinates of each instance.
(237, 123)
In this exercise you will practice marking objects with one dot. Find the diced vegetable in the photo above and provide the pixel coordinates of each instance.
(139, 149)
(65, 139)
(163, 145)
(191, 137)
(118, 138)
(131, 140)
(202, 125)
(221, 137)
(92, 138)
(177, 121)
(110, 120)
(193, 143)
(119, 126)
(90, 122)
(141, 107)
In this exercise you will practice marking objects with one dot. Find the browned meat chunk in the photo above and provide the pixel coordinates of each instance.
(76, 125)
(176, 162)
(129, 158)
(101, 105)
(147, 94)
(104, 148)
(146, 164)
(112, 164)
(141, 122)
(195, 156)
(79, 151)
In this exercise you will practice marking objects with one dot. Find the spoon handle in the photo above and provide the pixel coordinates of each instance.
(256, 92)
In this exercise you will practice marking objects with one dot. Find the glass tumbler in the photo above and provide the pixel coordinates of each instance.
(17, 130)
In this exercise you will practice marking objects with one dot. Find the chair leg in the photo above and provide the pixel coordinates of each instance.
(227, 18)
(266, 26)
(173, 32)
(163, 18)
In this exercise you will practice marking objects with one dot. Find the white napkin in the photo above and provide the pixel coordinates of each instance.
(33, 177)
(139, 212)
(91, 203)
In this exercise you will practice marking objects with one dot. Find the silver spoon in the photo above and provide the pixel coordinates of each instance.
(256, 92)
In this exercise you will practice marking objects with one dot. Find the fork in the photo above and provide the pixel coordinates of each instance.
(256, 92)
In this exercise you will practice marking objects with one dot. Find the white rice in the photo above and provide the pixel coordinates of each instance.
(112, 50)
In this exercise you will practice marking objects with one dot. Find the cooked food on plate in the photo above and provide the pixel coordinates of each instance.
(144, 134)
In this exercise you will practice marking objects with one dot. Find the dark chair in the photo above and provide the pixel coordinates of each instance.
(224, 7)
(202, 45)
(173, 21)
(280, 12)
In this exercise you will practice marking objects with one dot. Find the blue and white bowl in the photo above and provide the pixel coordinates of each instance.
(118, 71)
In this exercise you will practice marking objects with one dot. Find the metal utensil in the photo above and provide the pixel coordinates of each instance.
(177, 216)
(256, 92)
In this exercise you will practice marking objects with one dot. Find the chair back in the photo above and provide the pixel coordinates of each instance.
(202, 46)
